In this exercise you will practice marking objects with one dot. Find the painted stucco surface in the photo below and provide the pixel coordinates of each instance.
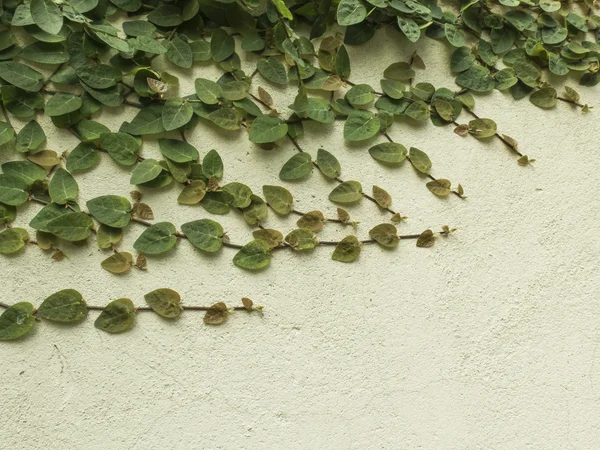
(487, 340)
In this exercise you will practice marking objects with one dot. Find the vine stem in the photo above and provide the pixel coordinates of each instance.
(497, 135)
(572, 102)
(240, 246)
(428, 175)
(338, 179)
(148, 309)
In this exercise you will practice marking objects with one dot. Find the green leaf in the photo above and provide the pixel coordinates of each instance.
(440, 187)
(409, 28)
(212, 165)
(208, 91)
(176, 114)
(361, 125)
(226, 118)
(121, 147)
(90, 130)
(147, 44)
(16, 321)
(8, 214)
(12, 240)
(256, 211)
(216, 202)
(98, 76)
(346, 192)
(21, 76)
(146, 171)
(205, 234)
(360, 95)
(110, 210)
(147, 121)
(273, 238)
(328, 164)
(117, 316)
(318, 110)
(382, 197)
(222, 45)
(178, 151)
(235, 90)
(419, 160)
(156, 239)
(166, 15)
(313, 220)
(165, 302)
(454, 35)
(254, 255)
(193, 193)
(503, 39)
(301, 239)
(83, 157)
(342, 62)
(13, 190)
(7, 133)
(544, 98)
(350, 12)
(476, 79)
(393, 89)
(400, 71)
(138, 28)
(45, 53)
(279, 199)
(385, 234)
(73, 226)
(389, 153)
(462, 59)
(240, 193)
(272, 70)
(25, 170)
(418, 111)
(201, 50)
(107, 237)
(62, 187)
(482, 128)
(46, 215)
(118, 263)
(63, 306)
(283, 9)
(297, 167)
(267, 129)
(347, 250)
(30, 138)
(180, 53)
(46, 15)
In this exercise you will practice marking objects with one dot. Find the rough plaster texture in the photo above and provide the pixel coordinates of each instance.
(487, 340)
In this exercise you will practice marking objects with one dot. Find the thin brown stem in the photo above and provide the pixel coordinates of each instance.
(572, 102)
(428, 175)
(497, 135)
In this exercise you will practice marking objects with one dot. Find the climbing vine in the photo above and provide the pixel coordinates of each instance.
(71, 60)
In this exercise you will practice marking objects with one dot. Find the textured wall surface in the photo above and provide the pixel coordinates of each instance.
(489, 339)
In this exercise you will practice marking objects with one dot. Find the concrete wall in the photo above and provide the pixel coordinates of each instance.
(487, 340)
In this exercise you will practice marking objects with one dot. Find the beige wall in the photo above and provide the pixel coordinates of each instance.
(487, 340)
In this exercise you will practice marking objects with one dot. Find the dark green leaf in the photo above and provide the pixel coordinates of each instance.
(16, 321)
(64, 306)
(118, 316)
(205, 234)
(156, 239)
